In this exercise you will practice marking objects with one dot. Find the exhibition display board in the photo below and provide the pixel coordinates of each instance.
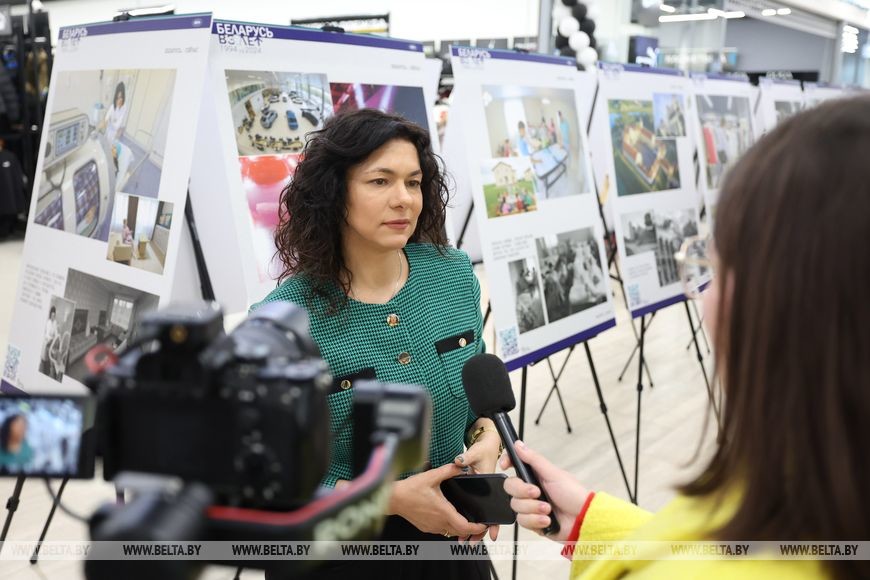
(816, 93)
(108, 198)
(780, 99)
(644, 161)
(724, 129)
(516, 142)
(267, 88)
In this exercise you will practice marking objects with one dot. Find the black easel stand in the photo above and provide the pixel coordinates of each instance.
(634, 350)
(640, 367)
(555, 388)
(35, 557)
(699, 329)
(11, 506)
(701, 363)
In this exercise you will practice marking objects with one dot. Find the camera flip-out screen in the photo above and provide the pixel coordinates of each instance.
(46, 436)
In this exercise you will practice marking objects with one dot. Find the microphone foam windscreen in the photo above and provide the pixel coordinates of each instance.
(487, 385)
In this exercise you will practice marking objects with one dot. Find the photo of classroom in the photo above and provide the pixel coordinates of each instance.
(106, 133)
(405, 101)
(139, 234)
(106, 313)
(528, 301)
(644, 162)
(539, 124)
(661, 233)
(274, 111)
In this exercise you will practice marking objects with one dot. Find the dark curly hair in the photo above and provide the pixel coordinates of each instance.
(313, 209)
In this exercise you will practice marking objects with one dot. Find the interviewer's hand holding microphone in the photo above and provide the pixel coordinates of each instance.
(549, 511)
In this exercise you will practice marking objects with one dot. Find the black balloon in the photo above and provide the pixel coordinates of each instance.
(579, 12)
(567, 51)
(569, 3)
(561, 41)
(588, 26)
(592, 42)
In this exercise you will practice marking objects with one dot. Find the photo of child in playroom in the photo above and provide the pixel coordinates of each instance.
(107, 132)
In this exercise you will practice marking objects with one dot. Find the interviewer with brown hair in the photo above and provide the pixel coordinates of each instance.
(789, 314)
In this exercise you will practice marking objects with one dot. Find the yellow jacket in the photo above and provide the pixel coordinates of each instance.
(684, 519)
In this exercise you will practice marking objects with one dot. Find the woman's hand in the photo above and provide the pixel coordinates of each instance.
(565, 492)
(482, 458)
(419, 500)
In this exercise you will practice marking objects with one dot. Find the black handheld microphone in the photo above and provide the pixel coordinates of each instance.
(488, 389)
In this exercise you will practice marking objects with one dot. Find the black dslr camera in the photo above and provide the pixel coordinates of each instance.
(221, 437)
(243, 413)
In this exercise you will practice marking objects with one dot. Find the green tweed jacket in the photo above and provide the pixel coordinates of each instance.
(422, 336)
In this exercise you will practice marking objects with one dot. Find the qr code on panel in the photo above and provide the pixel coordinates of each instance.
(13, 358)
(634, 293)
(509, 342)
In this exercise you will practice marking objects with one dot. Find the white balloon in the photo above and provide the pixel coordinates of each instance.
(587, 57)
(568, 26)
(578, 41)
(560, 11)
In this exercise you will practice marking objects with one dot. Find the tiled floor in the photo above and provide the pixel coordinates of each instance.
(672, 421)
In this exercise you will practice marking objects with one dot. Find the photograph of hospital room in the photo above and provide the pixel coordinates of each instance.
(274, 111)
(726, 129)
(408, 102)
(644, 162)
(139, 233)
(662, 233)
(106, 133)
(508, 186)
(571, 272)
(541, 125)
(106, 313)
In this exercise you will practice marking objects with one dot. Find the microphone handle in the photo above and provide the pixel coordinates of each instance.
(508, 436)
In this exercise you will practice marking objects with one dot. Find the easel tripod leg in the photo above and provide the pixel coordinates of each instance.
(703, 368)
(11, 506)
(639, 393)
(54, 505)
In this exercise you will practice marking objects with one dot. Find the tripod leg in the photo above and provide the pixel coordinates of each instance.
(35, 555)
(11, 506)
(603, 408)
(639, 393)
(703, 368)
(631, 356)
(701, 326)
(555, 388)
(238, 575)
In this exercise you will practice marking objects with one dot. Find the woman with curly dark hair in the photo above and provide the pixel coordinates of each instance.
(361, 238)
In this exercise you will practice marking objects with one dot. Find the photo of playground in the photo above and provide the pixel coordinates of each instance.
(527, 294)
(408, 102)
(508, 186)
(571, 272)
(106, 313)
(139, 234)
(274, 111)
(643, 161)
(660, 232)
(726, 128)
(539, 124)
(785, 109)
(668, 115)
(106, 133)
